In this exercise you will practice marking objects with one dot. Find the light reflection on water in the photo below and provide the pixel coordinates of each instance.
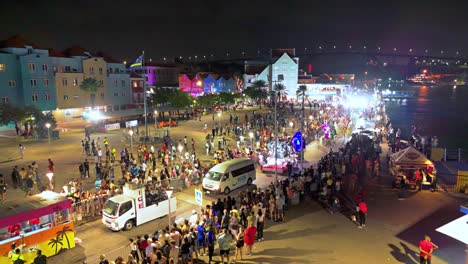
(441, 111)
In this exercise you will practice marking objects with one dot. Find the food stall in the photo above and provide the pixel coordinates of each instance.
(42, 221)
(406, 162)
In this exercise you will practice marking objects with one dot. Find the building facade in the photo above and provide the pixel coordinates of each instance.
(50, 80)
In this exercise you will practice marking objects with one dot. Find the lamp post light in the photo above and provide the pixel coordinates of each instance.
(169, 194)
(291, 124)
(155, 121)
(48, 131)
(131, 140)
(50, 175)
(251, 135)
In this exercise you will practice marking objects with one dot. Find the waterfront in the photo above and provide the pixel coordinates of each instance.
(436, 111)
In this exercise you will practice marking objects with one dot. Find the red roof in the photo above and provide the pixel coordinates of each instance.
(17, 41)
(251, 69)
(56, 53)
(76, 51)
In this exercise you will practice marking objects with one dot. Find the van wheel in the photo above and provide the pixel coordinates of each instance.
(128, 225)
(249, 181)
(226, 191)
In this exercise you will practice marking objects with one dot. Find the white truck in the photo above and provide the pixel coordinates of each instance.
(136, 206)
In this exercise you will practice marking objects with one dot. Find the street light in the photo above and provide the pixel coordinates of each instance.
(50, 175)
(155, 121)
(48, 130)
(169, 193)
(131, 140)
(291, 124)
(251, 135)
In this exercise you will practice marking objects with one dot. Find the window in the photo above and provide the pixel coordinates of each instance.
(125, 207)
(116, 94)
(67, 68)
(76, 97)
(116, 83)
(45, 67)
(65, 97)
(5, 100)
(32, 67)
(47, 97)
(141, 83)
(33, 82)
(91, 70)
(35, 98)
(100, 71)
(123, 94)
(2, 67)
(102, 96)
(123, 83)
(243, 170)
(46, 82)
(135, 84)
(101, 83)
(75, 82)
(64, 82)
(12, 83)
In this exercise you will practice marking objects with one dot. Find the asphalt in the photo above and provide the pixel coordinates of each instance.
(309, 234)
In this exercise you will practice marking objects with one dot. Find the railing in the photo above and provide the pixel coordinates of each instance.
(460, 184)
(455, 154)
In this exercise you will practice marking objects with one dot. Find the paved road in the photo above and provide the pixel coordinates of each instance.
(309, 235)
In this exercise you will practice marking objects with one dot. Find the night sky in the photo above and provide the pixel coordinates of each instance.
(187, 27)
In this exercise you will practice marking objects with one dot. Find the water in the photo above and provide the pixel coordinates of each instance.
(440, 111)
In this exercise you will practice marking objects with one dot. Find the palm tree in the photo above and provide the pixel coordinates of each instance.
(280, 90)
(301, 92)
(63, 233)
(259, 91)
(55, 242)
(91, 85)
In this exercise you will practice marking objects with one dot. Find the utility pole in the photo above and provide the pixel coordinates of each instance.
(270, 86)
(144, 94)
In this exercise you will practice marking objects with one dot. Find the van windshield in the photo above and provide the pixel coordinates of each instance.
(214, 176)
(111, 207)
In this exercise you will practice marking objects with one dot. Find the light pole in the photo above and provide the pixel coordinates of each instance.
(131, 140)
(219, 119)
(155, 121)
(251, 135)
(50, 175)
(169, 192)
(48, 131)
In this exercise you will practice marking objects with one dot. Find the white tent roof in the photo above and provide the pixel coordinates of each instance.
(457, 229)
(410, 156)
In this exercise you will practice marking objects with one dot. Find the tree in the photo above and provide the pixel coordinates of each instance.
(207, 100)
(259, 91)
(91, 85)
(227, 98)
(180, 99)
(301, 92)
(280, 90)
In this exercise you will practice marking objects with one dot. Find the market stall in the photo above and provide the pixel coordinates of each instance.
(412, 164)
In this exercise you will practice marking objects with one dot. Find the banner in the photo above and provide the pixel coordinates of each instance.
(114, 126)
(131, 123)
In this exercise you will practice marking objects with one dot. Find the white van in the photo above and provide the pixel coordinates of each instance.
(230, 175)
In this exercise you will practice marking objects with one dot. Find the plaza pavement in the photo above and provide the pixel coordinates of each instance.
(309, 234)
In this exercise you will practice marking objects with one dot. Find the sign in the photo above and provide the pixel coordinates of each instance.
(114, 126)
(131, 123)
(198, 197)
(140, 200)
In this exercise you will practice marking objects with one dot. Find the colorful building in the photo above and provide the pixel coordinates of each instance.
(206, 83)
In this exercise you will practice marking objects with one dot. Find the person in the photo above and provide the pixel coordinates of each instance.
(174, 252)
(103, 259)
(250, 233)
(239, 244)
(224, 241)
(40, 259)
(426, 247)
(2, 189)
(210, 239)
(201, 238)
(260, 224)
(362, 211)
(131, 259)
(21, 149)
(134, 250)
(185, 250)
(17, 257)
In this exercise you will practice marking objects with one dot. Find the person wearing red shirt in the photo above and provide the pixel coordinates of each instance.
(249, 238)
(14, 230)
(34, 223)
(426, 247)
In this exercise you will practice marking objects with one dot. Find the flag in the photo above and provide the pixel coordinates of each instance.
(137, 63)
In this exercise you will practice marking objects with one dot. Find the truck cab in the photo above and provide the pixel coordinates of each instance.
(137, 205)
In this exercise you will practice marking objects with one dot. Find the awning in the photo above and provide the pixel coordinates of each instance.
(457, 229)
